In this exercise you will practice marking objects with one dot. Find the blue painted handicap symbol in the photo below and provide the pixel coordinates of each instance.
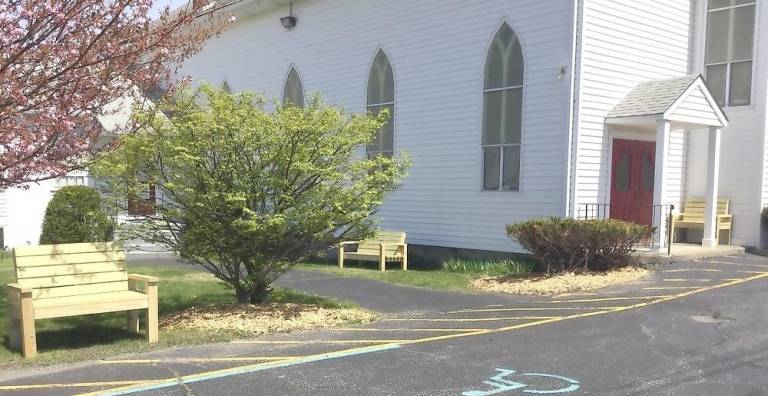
(501, 384)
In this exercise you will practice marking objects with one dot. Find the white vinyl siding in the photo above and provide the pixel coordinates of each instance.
(438, 49)
(622, 43)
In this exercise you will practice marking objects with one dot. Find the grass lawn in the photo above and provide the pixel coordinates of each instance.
(433, 279)
(99, 336)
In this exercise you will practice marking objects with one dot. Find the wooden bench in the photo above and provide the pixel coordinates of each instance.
(692, 216)
(55, 281)
(385, 246)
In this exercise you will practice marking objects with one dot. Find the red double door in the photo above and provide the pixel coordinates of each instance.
(632, 173)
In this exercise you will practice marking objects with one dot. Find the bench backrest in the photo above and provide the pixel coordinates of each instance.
(71, 269)
(390, 240)
(695, 206)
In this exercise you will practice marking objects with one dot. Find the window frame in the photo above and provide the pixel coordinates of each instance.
(502, 146)
(729, 64)
(369, 106)
(293, 68)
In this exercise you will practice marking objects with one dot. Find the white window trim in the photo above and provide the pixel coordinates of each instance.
(522, 118)
(368, 106)
(705, 65)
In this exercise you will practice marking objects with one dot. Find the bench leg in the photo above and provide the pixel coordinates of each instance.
(14, 330)
(341, 256)
(405, 258)
(152, 315)
(28, 337)
(133, 321)
(382, 258)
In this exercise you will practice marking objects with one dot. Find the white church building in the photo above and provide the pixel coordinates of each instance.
(514, 109)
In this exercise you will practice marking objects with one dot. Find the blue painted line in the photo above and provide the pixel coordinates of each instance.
(250, 369)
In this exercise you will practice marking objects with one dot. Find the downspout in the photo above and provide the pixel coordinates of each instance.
(573, 99)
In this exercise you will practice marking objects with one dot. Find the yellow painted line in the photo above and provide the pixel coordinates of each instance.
(606, 299)
(687, 280)
(407, 330)
(596, 313)
(72, 385)
(529, 309)
(223, 372)
(468, 319)
(728, 263)
(670, 287)
(712, 270)
(321, 342)
(659, 300)
(197, 360)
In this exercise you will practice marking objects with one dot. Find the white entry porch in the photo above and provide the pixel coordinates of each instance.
(643, 130)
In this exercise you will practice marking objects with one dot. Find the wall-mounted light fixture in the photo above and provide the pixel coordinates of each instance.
(289, 21)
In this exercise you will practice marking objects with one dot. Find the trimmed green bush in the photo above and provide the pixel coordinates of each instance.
(490, 267)
(566, 244)
(73, 215)
(764, 216)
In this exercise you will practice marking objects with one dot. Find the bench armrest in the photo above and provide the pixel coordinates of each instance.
(348, 243)
(150, 280)
(18, 289)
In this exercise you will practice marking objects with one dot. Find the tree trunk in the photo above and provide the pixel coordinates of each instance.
(243, 295)
(261, 293)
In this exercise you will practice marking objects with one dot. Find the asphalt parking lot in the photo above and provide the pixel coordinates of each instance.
(693, 328)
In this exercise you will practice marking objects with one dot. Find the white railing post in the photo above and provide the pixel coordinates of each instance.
(660, 181)
(709, 239)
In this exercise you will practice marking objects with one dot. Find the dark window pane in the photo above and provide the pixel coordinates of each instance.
(741, 84)
(504, 64)
(621, 173)
(385, 135)
(293, 92)
(743, 33)
(716, 82)
(491, 168)
(492, 111)
(646, 172)
(381, 81)
(511, 173)
(718, 23)
(511, 118)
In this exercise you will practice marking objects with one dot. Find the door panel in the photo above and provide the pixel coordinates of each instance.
(632, 173)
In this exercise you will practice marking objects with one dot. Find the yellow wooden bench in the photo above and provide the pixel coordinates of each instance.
(692, 216)
(54, 281)
(385, 246)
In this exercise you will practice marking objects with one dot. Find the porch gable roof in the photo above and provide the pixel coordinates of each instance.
(683, 99)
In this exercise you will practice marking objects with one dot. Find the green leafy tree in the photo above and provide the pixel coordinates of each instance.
(247, 193)
(74, 214)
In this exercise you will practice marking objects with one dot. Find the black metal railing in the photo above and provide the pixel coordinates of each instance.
(642, 214)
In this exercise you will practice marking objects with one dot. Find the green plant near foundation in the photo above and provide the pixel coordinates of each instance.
(489, 267)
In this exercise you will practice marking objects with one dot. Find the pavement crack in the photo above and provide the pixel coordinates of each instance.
(179, 380)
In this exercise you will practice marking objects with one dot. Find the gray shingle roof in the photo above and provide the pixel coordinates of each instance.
(652, 97)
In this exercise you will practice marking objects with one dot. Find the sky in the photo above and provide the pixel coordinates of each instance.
(160, 4)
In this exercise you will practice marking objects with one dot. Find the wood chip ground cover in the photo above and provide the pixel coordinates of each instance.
(557, 284)
(263, 319)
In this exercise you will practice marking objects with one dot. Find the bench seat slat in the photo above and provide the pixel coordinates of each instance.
(77, 279)
(89, 304)
(69, 269)
(372, 257)
(69, 248)
(74, 258)
(76, 290)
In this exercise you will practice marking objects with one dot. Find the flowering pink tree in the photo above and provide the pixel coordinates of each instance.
(62, 62)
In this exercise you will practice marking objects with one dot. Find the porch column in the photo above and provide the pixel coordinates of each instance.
(709, 239)
(659, 182)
